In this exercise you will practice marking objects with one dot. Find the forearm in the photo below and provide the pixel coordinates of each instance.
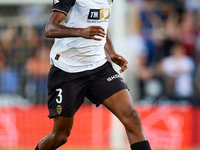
(56, 30)
(109, 46)
(117, 59)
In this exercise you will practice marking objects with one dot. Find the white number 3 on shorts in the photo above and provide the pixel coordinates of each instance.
(59, 99)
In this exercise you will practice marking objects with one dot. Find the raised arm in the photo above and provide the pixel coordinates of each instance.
(54, 29)
(116, 58)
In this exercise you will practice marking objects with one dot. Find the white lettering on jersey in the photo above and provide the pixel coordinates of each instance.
(94, 14)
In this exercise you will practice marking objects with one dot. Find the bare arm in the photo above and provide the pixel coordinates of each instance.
(116, 58)
(54, 29)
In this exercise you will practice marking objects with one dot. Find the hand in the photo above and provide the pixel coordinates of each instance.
(92, 31)
(120, 61)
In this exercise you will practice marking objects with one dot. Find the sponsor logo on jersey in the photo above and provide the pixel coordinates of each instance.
(113, 77)
(99, 14)
(56, 1)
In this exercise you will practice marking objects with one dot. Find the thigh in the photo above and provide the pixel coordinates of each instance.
(66, 92)
(120, 104)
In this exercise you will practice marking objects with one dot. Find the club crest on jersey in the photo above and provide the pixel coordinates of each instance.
(99, 14)
(56, 1)
(59, 109)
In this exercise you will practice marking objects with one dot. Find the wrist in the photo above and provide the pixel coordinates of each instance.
(112, 55)
(79, 32)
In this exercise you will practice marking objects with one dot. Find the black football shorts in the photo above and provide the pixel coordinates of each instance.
(66, 91)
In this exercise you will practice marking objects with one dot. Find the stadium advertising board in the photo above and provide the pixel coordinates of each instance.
(165, 126)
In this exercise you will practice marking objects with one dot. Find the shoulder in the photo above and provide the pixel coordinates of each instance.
(62, 6)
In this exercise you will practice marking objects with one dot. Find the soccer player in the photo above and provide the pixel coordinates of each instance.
(80, 69)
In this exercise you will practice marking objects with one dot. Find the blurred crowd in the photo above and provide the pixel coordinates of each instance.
(24, 54)
(24, 63)
(166, 49)
(162, 43)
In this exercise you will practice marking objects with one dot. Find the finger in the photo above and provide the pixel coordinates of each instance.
(98, 39)
(101, 28)
(95, 36)
(123, 62)
(99, 31)
(123, 68)
(99, 34)
(102, 32)
(122, 58)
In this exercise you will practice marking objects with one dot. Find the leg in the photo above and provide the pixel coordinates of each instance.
(121, 105)
(58, 136)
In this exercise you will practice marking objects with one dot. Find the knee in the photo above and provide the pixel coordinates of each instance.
(61, 137)
(136, 117)
(132, 123)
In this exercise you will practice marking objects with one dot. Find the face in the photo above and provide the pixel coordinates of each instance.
(178, 51)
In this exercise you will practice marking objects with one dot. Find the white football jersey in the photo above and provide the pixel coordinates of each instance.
(76, 54)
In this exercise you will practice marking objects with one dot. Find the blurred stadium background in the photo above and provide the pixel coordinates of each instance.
(161, 41)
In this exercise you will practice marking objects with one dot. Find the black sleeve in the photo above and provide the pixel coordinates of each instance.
(62, 6)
